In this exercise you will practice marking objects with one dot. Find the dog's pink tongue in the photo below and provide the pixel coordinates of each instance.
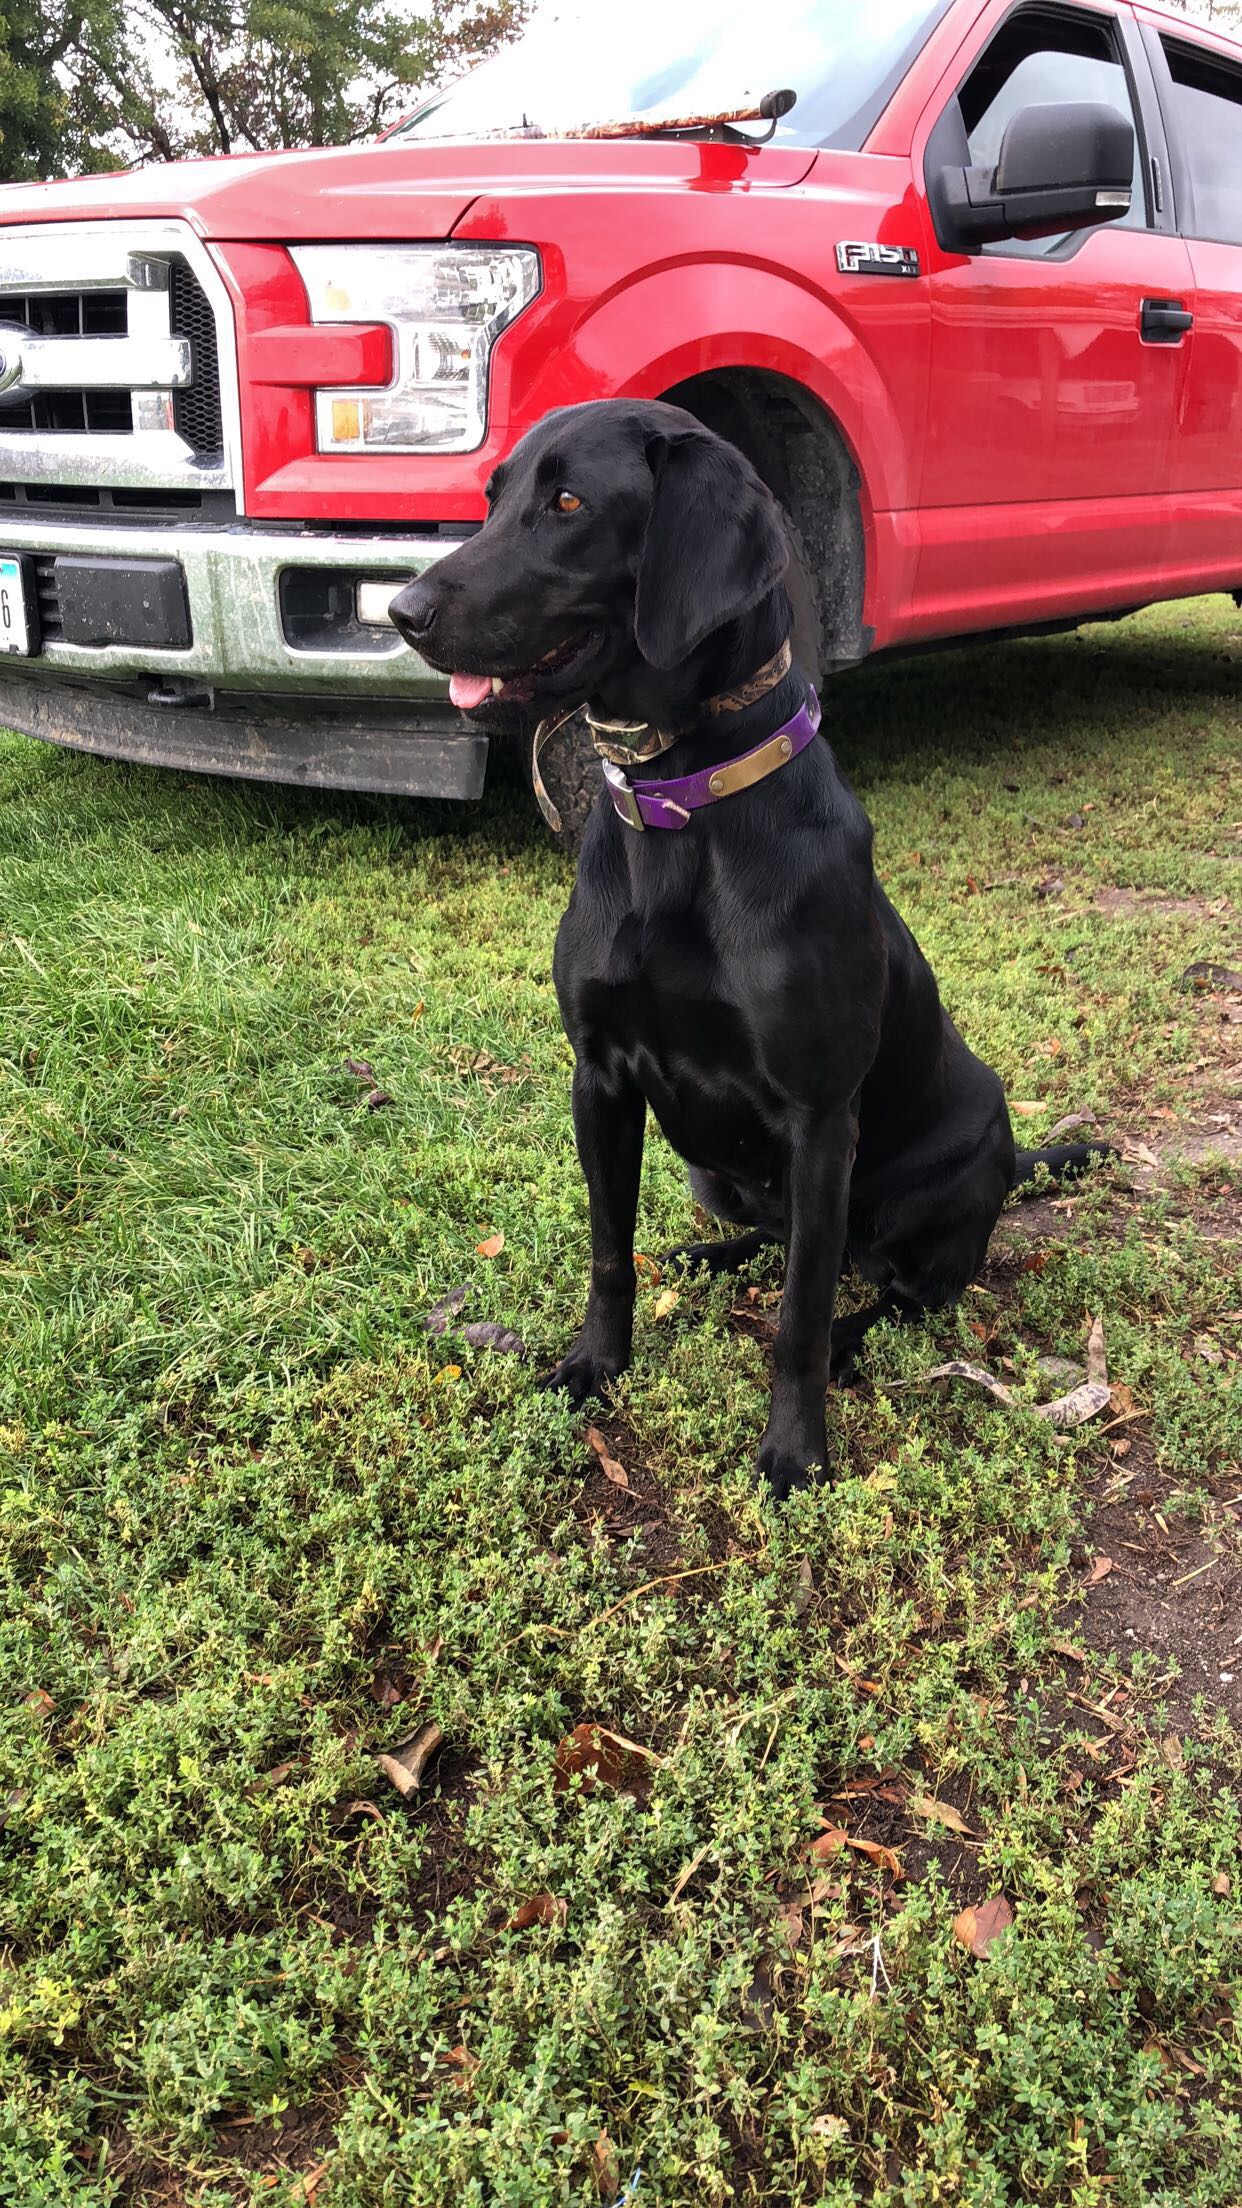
(469, 690)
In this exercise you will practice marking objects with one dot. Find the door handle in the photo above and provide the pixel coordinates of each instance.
(1164, 321)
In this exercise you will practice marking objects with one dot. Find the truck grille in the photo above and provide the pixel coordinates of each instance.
(111, 360)
(197, 411)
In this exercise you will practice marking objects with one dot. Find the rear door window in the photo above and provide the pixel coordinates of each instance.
(1207, 105)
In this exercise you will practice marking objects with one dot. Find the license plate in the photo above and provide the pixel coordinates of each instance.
(14, 624)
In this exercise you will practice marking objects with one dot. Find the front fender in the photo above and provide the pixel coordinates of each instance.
(677, 322)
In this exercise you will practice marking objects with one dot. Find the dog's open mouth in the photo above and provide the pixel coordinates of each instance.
(517, 686)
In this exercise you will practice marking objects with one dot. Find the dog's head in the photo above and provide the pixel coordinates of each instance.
(621, 538)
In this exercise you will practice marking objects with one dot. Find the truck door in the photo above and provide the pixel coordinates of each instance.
(1058, 365)
(1200, 88)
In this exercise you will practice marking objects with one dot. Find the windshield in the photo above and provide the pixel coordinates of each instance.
(594, 62)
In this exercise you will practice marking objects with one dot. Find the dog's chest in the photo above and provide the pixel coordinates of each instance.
(661, 1003)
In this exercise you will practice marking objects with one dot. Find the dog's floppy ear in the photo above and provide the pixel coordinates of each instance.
(713, 548)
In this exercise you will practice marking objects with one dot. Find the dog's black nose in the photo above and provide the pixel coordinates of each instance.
(414, 611)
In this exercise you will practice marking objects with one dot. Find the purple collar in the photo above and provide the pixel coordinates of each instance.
(670, 804)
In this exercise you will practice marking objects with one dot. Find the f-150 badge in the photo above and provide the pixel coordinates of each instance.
(877, 260)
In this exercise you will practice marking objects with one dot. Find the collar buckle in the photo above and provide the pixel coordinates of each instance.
(624, 802)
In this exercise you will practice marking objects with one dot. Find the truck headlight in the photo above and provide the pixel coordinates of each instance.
(446, 306)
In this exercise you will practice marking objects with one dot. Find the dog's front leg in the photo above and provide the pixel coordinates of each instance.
(794, 1449)
(609, 1116)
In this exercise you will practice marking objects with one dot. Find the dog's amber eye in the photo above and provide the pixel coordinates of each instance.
(566, 503)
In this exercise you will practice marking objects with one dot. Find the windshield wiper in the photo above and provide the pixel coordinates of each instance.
(721, 127)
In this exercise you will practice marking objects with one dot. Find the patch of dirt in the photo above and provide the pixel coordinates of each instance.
(636, 1511)
(1219, 1136)
(299, 2147)
(1175, 1587)
(919, 1842)
(1130, 904)
(641, 1510)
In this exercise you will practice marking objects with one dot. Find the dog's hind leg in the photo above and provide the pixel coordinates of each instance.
(742, 1207)
(849, 1333)
(730, 1255)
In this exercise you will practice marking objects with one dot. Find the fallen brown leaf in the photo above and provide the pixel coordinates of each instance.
(437, 1319)
(1099, 1570)
(1097, 1361)
(875, 1852)
(540, 1909)
(601, 1758)
(1077, 1407)
(343, 1811)
(665, 1302)
(488, 1334)
(959, 1369)
(1137, 1153)
(792, 1922)
(836, 1837)
(40, 1701)
(940, 1813)
(1221, 1884)
(607, 2167)
(1028, 1111)
(492, 1247)
(1071, 1120)
(977, 1928)
(269, 1779)
(804, 1593)
(406, 1761)
(310, 2181)
(609, 1465)
(361, 1068)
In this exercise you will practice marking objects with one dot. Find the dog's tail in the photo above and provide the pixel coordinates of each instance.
(1064, 1160)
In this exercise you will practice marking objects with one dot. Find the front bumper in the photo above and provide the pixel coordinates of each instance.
(277, 682)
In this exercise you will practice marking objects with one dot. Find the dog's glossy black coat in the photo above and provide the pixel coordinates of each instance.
(746, 978)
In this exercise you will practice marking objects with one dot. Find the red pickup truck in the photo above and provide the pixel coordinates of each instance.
(972, 303)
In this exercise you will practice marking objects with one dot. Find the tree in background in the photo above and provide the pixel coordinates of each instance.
(43, 130)
(97, 83)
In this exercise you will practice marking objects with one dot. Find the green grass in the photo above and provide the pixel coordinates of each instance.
(244, 1493)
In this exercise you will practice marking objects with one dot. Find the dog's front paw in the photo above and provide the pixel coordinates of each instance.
(582, 1373)
(789, 1466)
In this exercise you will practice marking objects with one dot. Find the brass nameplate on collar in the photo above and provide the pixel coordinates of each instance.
(742, 774)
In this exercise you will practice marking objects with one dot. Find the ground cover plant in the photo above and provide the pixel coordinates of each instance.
(279, 1076)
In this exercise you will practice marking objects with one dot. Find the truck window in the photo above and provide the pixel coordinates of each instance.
(1207, 97)
(1035, 59)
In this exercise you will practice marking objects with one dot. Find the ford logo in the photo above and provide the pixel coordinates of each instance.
(10, 367)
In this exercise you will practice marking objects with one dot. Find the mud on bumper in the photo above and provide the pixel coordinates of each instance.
(280, 664)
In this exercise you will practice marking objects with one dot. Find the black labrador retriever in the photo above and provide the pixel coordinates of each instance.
(728, 956)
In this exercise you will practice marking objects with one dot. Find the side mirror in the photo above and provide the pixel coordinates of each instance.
(1061, 167)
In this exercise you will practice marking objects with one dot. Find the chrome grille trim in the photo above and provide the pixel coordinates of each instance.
(155, 363)
(149, 363)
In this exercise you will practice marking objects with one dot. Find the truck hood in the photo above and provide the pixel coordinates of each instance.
(394, 190)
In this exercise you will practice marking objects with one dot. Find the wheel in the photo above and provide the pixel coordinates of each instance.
(569, 763)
